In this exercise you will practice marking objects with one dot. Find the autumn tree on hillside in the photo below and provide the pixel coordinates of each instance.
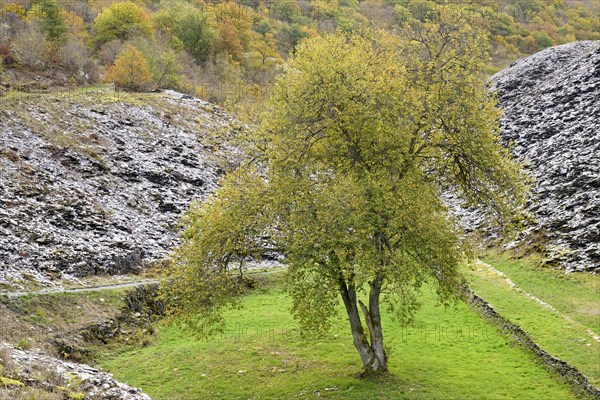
(130, 71)
(239, 17)
(121, 21)
(360, 136)
(230, 39)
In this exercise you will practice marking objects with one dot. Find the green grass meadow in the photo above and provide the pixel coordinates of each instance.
(448, 353)
(575, 296)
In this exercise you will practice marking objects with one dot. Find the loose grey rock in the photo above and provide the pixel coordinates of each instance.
(94, 383)
(92, 188)
(551, 105)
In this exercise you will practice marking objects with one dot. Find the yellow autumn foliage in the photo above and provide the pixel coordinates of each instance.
(130, 72)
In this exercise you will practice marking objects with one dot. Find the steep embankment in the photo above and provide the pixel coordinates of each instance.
(551, 104)
(95, 182)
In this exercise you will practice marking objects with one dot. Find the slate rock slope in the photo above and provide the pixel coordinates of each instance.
(32, 365)
(95, 184)
(551, 105)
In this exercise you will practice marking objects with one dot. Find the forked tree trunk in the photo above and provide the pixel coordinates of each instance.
(372, 354)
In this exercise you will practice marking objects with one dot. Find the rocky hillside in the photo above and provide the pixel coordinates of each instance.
(551, 104)
(95, 182)
(35, 375)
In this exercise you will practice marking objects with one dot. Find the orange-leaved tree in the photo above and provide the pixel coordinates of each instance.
(131, 71)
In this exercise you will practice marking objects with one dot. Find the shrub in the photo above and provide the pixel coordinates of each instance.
(121, 21)
(90, 72)
(401, 14)
(10, 25)
(542, 40)
(30, 48)
(73, 56)
(286, 10)
(109, 52)
(290, 35)
(9, 367)
(222, 78)
(130, 71)
(23, 344)
(13, 8)
(163, 62)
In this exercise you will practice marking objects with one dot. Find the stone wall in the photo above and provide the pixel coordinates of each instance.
(564, 369)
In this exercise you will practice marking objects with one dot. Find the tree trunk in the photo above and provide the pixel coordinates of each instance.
(373, 320)
(374, 360)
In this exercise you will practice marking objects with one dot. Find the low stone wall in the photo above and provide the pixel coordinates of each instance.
(564, 369)
(143, 306)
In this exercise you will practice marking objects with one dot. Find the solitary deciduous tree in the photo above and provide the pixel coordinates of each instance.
(360, 137)
(130, 71)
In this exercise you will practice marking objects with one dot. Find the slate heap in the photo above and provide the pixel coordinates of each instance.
(551, 105)
(103, 193)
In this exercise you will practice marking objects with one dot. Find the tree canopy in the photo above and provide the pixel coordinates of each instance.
(51, 21)
(361, 135)
(227, 50)
(194, 27)
(121, 21)
(130, 71)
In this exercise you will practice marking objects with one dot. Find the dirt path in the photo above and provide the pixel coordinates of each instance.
(79, 290)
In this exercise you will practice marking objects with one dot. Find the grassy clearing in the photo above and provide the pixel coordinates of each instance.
(36, 319)
(64, 309)
(447, 354)
(575, 296)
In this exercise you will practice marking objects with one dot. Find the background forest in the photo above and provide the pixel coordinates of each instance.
(226, 50)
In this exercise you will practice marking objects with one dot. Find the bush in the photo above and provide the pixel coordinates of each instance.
(121, 21)
(222, 78)
(130, 71)
(164, 64)
(10, 25)
(5, 42)
(109, 51)
(30, 48)
(90, 72)
(24, 344)
(290, 35)
(73, 56)
(9, 367)
(543, 40)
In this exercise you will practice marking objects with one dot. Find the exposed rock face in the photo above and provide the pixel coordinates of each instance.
(91, 185)
(551, 104)
(95, 384)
